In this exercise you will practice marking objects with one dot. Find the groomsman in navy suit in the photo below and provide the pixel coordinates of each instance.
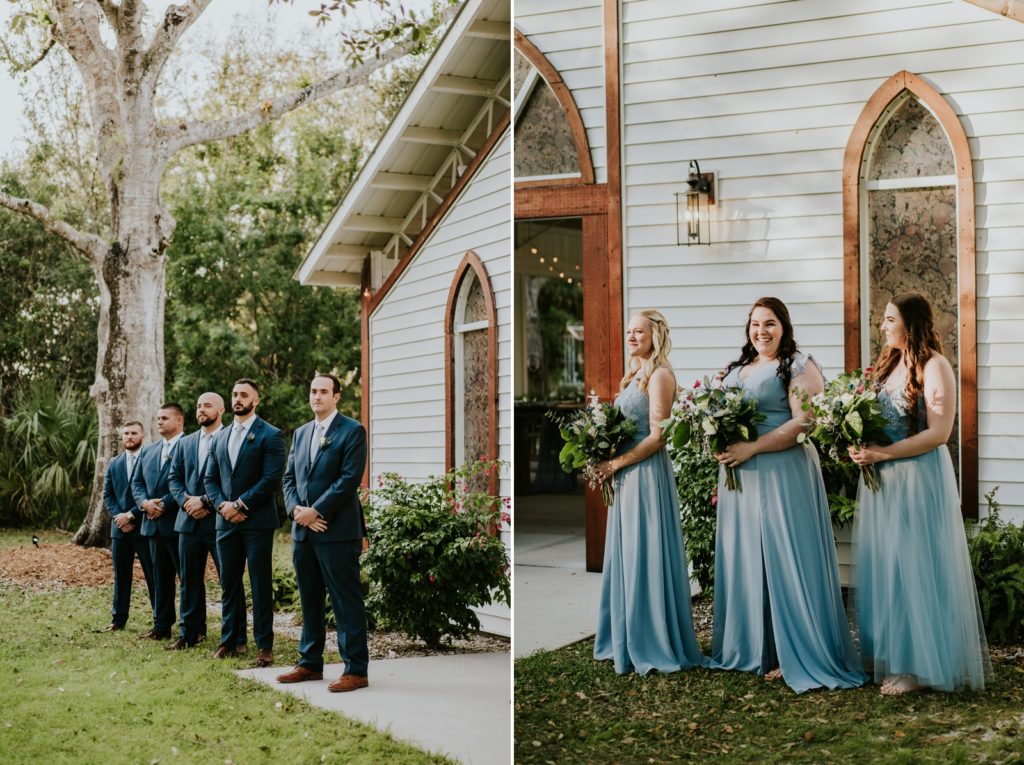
(321, 494)
(243, 474)
(195, 524)
(125, 519)
(153, 496)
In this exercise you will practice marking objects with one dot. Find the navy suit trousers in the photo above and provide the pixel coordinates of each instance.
(193, 550)
(331, 569)
(123, 550)
(254, 547)
(164, 552)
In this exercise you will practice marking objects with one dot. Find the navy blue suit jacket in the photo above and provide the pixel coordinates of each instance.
(151, 483)
(331, 483)
(254, 480)
(186, 480)
(117, 494)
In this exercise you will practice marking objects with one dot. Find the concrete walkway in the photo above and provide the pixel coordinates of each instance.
(459, 705)
(555, 598)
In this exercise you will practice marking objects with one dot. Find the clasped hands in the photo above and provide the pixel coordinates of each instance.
(125, 522)
(153, 508)
(310, 518)
(196, 508)
(229, 513)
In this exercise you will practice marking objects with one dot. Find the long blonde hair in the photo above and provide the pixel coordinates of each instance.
(662, 346)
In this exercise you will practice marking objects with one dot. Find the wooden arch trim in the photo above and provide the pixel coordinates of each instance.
(572, 114)
(873, 110)
(471, 262)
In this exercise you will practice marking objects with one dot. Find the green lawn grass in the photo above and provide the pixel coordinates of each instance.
(75, 695)
(571, 709)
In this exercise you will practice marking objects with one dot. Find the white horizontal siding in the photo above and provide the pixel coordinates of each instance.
(570, 33)
(765, 95)
(407, 424)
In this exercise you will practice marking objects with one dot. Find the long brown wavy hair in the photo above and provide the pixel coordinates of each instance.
(662, 345)
(787, 345)
(922, 342)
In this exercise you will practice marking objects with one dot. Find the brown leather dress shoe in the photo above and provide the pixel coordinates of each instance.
(177, 645)
(348, 683)
(241, 649)
(155, 634)
(113, 628)
(223, 652)
(298, 674)
(264, 658)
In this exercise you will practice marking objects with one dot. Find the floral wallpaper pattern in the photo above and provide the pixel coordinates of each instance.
(544, 143)
(912, 143)
(476, 407)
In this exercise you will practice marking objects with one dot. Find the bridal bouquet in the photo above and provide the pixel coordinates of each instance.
(592, 435)
(712, 417)
(847, 413)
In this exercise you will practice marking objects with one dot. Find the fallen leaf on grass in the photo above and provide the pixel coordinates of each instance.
(809, 735)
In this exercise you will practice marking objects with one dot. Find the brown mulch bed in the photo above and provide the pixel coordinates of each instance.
(65, 565)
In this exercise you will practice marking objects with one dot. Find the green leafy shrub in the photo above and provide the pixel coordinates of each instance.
(997, 557)
(697, 484)
(433, 553)
(47, 456)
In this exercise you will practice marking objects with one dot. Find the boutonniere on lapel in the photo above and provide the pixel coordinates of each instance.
(250, 438)
(324, 441)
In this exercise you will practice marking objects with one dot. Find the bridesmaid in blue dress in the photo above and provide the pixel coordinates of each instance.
(778, 608)
(644, 620)
(914, 597)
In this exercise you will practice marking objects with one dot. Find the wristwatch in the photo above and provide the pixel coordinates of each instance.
(235, 505)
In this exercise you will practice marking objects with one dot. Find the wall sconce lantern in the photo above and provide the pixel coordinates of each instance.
(693, 207)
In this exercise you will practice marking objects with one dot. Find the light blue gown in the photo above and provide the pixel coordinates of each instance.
(777, 596)
(644, 620)
(914, 598)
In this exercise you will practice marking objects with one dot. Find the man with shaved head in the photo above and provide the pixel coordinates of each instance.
(195, 524)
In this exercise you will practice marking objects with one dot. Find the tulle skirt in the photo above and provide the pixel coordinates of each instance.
(914, 598)
(644, 619)
(777, 597)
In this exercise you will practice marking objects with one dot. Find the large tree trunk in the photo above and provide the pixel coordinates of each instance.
(129, 366)
(130, 355)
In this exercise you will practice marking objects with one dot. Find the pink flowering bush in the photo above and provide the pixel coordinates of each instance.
(434, 552)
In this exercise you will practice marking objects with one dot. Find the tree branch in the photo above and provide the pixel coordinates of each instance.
(89, 245)
(177, 20)
(182, 135)
(24, 66)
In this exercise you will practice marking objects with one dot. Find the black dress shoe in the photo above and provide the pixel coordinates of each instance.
(154, 634)
(178, 645)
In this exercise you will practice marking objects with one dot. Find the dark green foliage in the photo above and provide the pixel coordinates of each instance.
(697, 484)
(433, 553)
(47, 452)
(841, 477)
(997, 556)
(246, 216)
(49, 298)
